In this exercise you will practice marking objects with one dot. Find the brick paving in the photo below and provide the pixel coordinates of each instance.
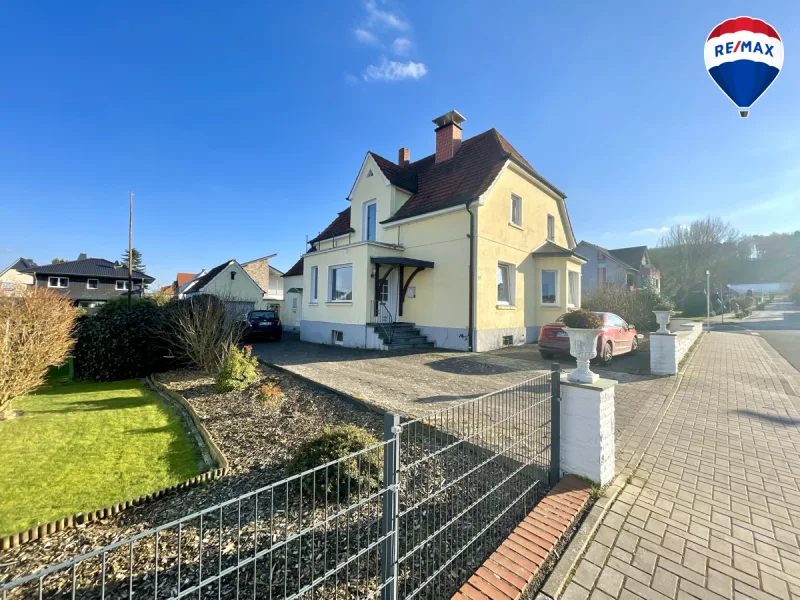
(714, 509)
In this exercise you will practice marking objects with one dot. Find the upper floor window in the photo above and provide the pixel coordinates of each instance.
(341, 283)
(314, 282)
(516, 210)
(58, 282)
(123, 284)
(370, 221)
(233, 275)
(92, 284)
(551, 227)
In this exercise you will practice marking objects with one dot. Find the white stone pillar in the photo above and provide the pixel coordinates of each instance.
(587, 429)
(663, 353)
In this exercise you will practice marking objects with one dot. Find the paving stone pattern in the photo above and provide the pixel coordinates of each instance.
(714, 509)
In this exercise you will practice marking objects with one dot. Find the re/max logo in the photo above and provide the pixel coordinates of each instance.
(741, 46)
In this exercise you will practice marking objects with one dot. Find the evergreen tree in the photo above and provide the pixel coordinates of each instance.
(138, 265)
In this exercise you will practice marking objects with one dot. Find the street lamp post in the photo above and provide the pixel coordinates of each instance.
(708, 300)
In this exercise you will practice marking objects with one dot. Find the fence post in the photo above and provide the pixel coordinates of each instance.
(390, 545)
(555, 424)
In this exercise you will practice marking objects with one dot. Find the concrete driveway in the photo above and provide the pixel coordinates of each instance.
(418, 383)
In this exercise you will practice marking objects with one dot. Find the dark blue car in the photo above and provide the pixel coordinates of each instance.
(263, 324)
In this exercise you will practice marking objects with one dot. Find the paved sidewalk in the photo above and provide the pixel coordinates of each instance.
(714, 509)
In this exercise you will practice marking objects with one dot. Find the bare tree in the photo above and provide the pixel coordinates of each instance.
(202, 330)
(686, 251)
(35, 333)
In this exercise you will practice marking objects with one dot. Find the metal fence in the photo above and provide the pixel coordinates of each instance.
(411, 517)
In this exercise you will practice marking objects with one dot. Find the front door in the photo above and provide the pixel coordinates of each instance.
(390, 297)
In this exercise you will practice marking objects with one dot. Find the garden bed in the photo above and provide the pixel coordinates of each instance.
(257, 440)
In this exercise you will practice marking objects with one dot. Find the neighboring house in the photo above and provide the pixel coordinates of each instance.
(628, 267)
(293, 297)
(266, 276)
(468, 248)
(12, 279)
(230, 282)
(89, 282)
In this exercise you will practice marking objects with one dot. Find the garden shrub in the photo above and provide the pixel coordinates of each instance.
(35, 334)
(271, 396)
(695, 306)
(117, 305)
(636, 307)
(748, 302)
(357, 475)
(664, 304)
(120, 344)
(582, 319)
(239, 369)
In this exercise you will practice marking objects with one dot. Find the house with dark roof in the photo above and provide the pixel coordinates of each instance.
(627, 267)
(89, 282)
(231, 282)
(468, 248)
(13, 280)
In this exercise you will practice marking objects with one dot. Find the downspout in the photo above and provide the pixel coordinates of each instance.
(471, 317)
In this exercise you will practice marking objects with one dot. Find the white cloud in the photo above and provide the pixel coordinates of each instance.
(402, 46)
(365, 37)
(650, 231)
(376, 16)
(390, 70)
(350, 78)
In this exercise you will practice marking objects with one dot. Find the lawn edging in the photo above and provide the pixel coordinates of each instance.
(43, 530)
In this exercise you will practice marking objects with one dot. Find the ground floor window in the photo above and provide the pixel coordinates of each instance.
(574, 299)
(341, 283)
(550, 287)
(506, 274)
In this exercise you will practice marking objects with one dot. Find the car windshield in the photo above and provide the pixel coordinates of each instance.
(263, 314)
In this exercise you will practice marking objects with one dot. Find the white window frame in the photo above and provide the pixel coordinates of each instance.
(365, 220)
(334, 335)
(90, 280)
(313, 297)
(541, 288)
(124, 287)
(511, 293)
(551, 235)
(330, 283)
(59, 280)
(578, 291)
(511, 221)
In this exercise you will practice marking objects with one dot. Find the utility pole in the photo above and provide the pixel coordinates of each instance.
(130, 248)
(708, 300)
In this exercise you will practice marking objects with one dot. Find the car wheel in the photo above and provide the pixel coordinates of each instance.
(635, 345)
(608, 354)
(547, 355)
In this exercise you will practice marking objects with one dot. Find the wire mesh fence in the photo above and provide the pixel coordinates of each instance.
(412, 516)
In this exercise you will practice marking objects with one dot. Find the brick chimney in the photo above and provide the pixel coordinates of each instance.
(448, 135)
(403, 157)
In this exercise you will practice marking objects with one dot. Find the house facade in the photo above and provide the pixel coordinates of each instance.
(292, 313)
(471, 245)
(627, 267)
(89, 282)
(266, 276)
(230, 282)
(14, 279)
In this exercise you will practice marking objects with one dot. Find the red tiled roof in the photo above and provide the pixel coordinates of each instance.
(185, 277)
(296, 269)
(339, 226)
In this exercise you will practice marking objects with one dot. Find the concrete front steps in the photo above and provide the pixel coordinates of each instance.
(403, 336)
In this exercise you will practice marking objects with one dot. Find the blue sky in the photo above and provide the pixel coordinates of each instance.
(241, 126)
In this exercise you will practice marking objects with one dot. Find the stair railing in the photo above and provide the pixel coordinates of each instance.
(386, 321)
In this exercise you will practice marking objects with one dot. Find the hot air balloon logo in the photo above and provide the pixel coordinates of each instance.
(743, 57)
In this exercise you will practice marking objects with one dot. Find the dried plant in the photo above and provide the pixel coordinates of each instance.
(35, 334)
(202, 330)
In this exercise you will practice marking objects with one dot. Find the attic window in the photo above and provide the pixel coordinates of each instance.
(369, 173)
(233, 275)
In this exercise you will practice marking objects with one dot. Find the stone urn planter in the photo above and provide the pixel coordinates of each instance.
(583, 346)
(662, 318)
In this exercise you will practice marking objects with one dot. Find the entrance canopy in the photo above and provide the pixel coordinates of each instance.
(399, 263)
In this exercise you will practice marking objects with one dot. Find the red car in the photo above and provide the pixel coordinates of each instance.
(617, 338)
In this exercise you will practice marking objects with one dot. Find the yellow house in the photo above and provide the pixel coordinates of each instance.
(469, 248)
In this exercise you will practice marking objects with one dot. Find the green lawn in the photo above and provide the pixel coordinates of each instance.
(83, 446)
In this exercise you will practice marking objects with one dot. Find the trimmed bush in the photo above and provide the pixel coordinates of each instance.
(664, 304)
(582, 319)
(748, 302)
(695, 306)
(636, 307)
(239, 370)
(357, 475)
(120, 344)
